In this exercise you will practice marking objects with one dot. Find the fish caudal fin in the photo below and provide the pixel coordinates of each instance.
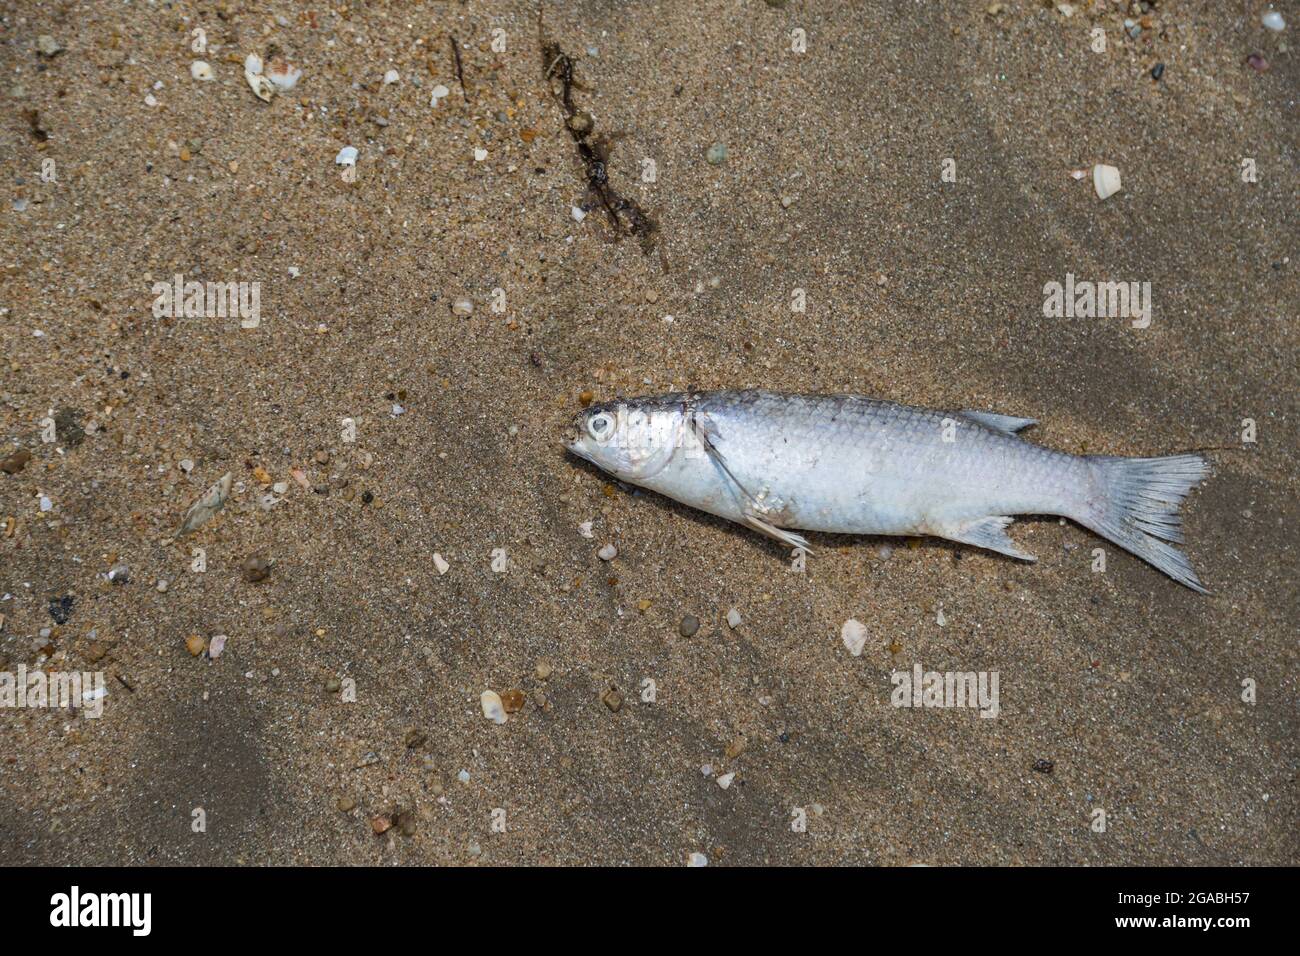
(1138, 508)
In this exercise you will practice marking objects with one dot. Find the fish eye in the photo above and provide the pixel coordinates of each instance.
(600, 426)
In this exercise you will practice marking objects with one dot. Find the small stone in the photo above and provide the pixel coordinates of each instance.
(119, 574)
(161, 585)
(724, 781)
(736, 748)
(391, 77)
(1257, 62)
(1271, 19)
(256, 569)
(716, 154)
(581, 123)
(544, 670)
(46, 45)
(407, 823)
(513, 700)
(194, 644)
(607, 553)
(15, 462)
(346, 804)
(96, 652)
(493, 709)
(733, 619)
(381, 825)
(1157, 71)
(414, 738)
(586, 398)
(699, 859)
(613, 700)
(322, 457)
(333, 685)
(688, 626)
(216, 646)
(1044, 766)
(440, 563)
(462, 306)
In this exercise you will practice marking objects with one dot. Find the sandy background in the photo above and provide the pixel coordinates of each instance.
(918, 290)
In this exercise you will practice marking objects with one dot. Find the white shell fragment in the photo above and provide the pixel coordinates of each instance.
(283, 75)
(391, 77)
(201, 70)
(253, 64)
(480, 154)
(1273, 20)
(212, 501)
(216, 646)
(697, 859)
(578, 213)
(347, 156)
(440, 563)
(462, 306)
(438, 92)
(1105, 179)
(607, 553)
(493, 709)
(725, 780)
(854, 636)
(733, 619)
(584, 529)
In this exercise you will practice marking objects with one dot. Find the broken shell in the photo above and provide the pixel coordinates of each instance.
(212, 501)
(391, 77)
(493, 709)
(216, 646)
(437, 93)
(440, 563)
(347, 156)
(283, 75)
(260, 86)
(854, 636)
(200, 70)
(1105, 179)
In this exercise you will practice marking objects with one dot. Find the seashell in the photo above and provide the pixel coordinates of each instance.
(200, 70)
(253, 64)
(283, 75)
(493, 709)
(260, 86)
(854, 636)
(212, 501)
(216, 646)
(1273, 21)
(347, 156)
(1105, 179)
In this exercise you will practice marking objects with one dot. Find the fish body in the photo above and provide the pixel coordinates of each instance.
(781, 462)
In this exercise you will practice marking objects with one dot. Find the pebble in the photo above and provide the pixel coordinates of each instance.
(381, 825)
(544, 670)
(578, 213)
(1271, 19)
(480, 154)
(46, 45)
(194, 644)
(607, 553)
(216, 646)
(724, 781)
(1257, 62)
(333, 685)
(391, 77)
(162, 585)
(854, 636)
(440, 563)
(256, 569)
(716, 154)
(15, 462)
(438, 92)
(462, 306)
(733, 619)
(61, 608)
(493, 709)
(688, 626)
(1157, 71)
(613, 700)
(346, 804)
(119, 574)
(699, 859)
(415, 738)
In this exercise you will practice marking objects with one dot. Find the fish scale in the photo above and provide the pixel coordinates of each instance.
(780, 462)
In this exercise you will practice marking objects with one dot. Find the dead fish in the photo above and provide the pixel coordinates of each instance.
(855, 465)
(212, 501)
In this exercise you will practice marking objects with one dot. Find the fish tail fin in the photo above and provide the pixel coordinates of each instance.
(1137, 508)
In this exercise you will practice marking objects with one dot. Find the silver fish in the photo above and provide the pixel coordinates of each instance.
(855, 465)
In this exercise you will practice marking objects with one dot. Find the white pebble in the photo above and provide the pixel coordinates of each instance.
(438, 92)
(462, 306)
(1273, 20)
(733, 619)
(347, 156)
(493, 709)
(150, 100)
(216, 646)
(607, 553)
(391, 77)
(725, 780)
(584, 529)
(854, 636)
(480, 154)
(697, 859)
(440, 563)
(46, 503)
(280, 487)
(463, 776)
(578, 213)
(201, 70)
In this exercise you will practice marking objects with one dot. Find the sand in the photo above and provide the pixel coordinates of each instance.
(1129, 687)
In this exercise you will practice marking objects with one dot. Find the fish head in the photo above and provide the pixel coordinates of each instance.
(631, 439)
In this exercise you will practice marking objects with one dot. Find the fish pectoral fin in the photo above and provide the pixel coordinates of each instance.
(780, 534)
(989, 533)
(999, 423)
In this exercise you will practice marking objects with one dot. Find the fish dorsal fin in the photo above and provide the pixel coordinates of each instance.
(999, 423)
